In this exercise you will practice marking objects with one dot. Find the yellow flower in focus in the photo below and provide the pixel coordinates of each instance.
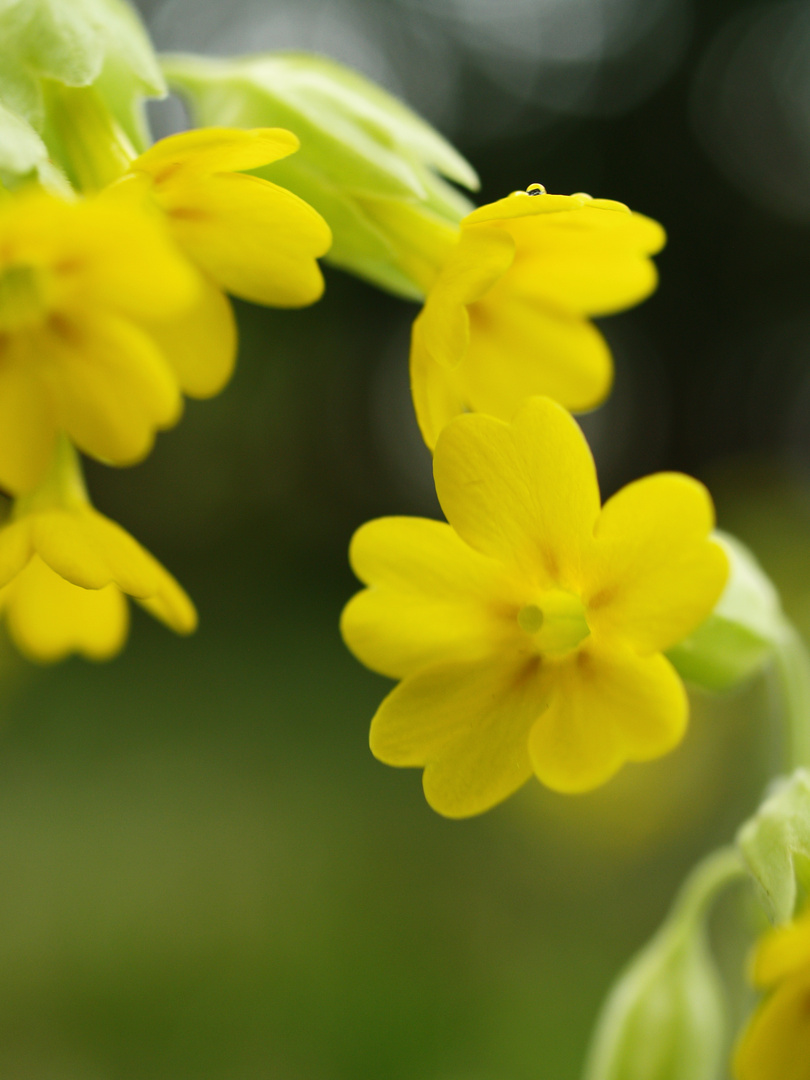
(66, 570)
(79, 284)
(776, 1043)
(508, 314)
(250, 237)
(528, 632)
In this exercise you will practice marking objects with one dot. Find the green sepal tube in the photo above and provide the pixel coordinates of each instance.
(83, 43)
(372, 167)
(665, 1018)
(739, 638)
(775, 844)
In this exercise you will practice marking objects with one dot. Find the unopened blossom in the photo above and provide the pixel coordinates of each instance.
(86, 289)
(508, 314)
(248, 236)
(529, 630)
(776, 1043)
(66, 572)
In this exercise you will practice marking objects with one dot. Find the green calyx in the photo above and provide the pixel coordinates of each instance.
(367, 163)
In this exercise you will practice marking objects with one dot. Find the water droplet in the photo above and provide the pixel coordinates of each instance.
(582, 195)
(518, 193)
(535, 189)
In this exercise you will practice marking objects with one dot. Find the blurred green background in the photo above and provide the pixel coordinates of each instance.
(205, 875)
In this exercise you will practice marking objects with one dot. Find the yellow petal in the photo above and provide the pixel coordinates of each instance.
(655, 575)
(27, 421)
(436, 390)
(254, 239)
(89, 550)
(203, 151)
(776, 1043)
(171, 604)
(521, 347)
(606, 707)
(432, 598)
(467, 724)
(201, 346)
(109, 385)
(525, 493)
(15, 549)
(590, 261)
(521, 205)
(783, 952)
(48, 618)
(477, 261)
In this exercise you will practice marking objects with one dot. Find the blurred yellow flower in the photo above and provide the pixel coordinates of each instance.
(250, 237)
(79, 282)
(508, 314)
(776, 1043)
(65, 572)
(529, 631)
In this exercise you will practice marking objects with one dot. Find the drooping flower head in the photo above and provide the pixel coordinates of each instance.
(776, 1043)
(528, 632)
(66, 571)
(82, 283)
(508, 314)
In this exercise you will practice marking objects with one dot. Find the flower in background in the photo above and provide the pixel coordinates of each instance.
(528, 632)
(66, 570)
(776, 1042)
(248, 236)
(82, 284)
(508, 314)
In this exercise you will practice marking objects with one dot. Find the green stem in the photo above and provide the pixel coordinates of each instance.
(705, 881)
(792, 672)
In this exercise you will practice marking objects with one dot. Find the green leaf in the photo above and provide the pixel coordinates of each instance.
(775, 844)
(739, 637)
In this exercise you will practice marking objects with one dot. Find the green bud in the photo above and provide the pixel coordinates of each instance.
(367, 163)
(665, 1018)
(76, 44)
(739, 637)
(775, 844)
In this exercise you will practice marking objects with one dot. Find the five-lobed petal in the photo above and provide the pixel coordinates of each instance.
(508, 315)
(529, 631)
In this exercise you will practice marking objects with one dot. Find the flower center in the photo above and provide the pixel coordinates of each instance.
(556, 622)
(22, 301)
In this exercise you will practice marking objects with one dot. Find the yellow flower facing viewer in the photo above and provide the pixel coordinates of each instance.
(776, 1043)
(507, 317)
(251, 238)
(80, 284)
(528, 632)
(66, 570)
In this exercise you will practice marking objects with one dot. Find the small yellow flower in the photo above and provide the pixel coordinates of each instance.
(776, 1043)
(79, 283)
(65, 572)
(529, 631)
(508, 315)
(250, 237)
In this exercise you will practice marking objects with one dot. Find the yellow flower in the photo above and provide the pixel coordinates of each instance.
(65, 572)
(79, 282)
(507, 316)
(776, 1043)
(529, 631)
(250, 237)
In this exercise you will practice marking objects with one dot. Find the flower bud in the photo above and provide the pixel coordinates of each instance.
(368, 164)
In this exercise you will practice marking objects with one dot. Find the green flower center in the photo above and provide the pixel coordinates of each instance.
(22, 300)
(556, 621)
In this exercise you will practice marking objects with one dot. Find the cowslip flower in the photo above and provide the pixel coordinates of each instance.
(248, 236)
(776, 1043)
(66, 570)
(81, 284)
(529, 631)
(507, 316)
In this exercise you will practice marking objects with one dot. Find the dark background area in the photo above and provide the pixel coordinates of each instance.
(206, 875)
